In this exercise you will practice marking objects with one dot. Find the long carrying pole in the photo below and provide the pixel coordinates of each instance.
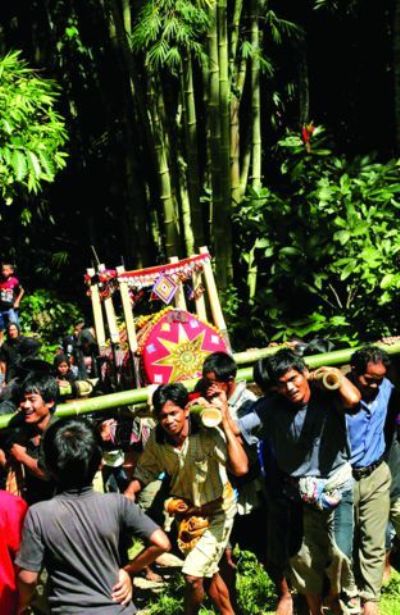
(140, 396)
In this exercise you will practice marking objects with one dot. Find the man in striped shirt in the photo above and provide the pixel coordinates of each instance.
(196, 459)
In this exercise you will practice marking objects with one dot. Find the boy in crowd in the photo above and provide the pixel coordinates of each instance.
(219, 371)
(77, 535)
(371, 491)
(196, 459)
(306, 429)
(11, 293)
(37, 404)
(219, 376)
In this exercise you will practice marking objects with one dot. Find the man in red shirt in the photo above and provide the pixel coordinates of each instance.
(12, 513)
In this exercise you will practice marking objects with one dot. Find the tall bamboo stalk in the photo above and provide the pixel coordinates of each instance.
(235, 105)
(304, 86)
(193, 172)
(214, 122)
(137, 131)
(186, 214)
(170, 222)
(236, 98)
(396, 69)
(255, 97)
(223, 215)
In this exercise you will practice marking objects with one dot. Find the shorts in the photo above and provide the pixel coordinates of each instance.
(203, 560)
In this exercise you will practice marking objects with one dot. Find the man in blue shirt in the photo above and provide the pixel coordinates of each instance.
(306, 429)
(372, 476)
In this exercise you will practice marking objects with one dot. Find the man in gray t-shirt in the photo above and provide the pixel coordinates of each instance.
(77, 536)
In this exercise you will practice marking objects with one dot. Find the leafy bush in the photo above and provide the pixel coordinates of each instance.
(256, 593)
(322, 251)
(171, 600)
(32, 133)
(47, 317)
(389, 604)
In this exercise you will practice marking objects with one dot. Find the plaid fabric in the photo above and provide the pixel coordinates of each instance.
(197, 470)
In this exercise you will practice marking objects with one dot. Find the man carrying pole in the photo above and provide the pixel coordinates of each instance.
(196, 459)
(305, 426)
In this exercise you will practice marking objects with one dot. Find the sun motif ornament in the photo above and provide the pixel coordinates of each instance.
(176, 346)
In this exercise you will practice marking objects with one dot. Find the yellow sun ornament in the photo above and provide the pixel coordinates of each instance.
(185, 357)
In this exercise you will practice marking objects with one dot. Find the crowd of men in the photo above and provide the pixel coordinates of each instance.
(305, 475)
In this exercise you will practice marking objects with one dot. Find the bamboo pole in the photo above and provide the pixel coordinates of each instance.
(179, 298)
(335, 357)
(110, 314)
(216, 310)
(128, 315)
(140, 396)
(199, 301)
(97, 312)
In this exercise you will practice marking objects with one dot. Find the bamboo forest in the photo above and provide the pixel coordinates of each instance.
(266, 131)
(240, 161)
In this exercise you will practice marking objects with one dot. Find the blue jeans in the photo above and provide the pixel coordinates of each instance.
(7, 317)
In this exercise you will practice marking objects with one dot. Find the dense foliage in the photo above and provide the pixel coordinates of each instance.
(322, 250)
(48, 318)
(256, 595)
(184, 122)
(32, 133)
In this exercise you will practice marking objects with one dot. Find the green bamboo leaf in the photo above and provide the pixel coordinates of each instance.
(7, 126)
(342, 236)
(34, 164)
(347, 271)
(387, 280)
(46, 165)
(19, 164)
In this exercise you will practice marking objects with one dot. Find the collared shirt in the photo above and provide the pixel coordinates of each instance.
(366, 428)
(241, 395)
(248, 487)
(197, 470)
(309, 440)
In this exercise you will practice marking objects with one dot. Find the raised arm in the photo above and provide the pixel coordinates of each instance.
(237, 459)
(347, 392)
(18, 298)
